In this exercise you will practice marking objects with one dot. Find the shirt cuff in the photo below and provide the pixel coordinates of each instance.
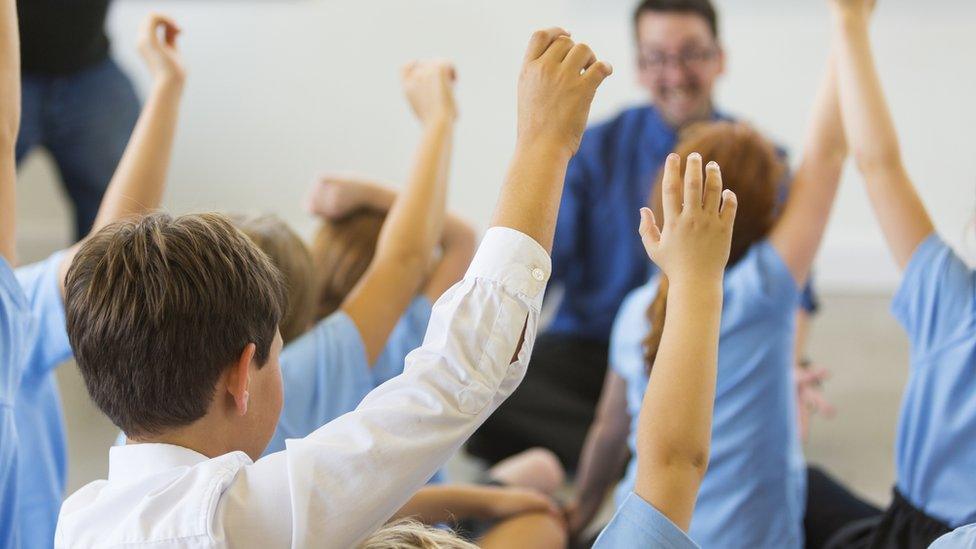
(514, 260)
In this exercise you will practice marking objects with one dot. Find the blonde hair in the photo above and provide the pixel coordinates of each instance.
(410, 534)
(290, 255)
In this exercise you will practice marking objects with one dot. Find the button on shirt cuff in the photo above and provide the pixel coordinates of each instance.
(514, 260)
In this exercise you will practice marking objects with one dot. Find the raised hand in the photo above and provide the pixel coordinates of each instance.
(697, 230)
(157, 45)
(558, 81)
(336, 196)
(429, 86)
(852, 7)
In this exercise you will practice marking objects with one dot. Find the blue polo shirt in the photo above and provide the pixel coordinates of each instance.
(597, 257)
(754, 492)
(960, 538)
(43, 455)
(638, 524)
(16, 329)
(935, 452)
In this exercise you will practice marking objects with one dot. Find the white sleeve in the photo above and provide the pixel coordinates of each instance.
(348, 477)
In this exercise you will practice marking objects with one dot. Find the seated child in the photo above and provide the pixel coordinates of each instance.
(136, 187)
(174, 322)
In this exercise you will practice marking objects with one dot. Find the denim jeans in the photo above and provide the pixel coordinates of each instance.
(84, 120)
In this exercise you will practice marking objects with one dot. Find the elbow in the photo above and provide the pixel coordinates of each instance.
(877, 160)
(682, 455)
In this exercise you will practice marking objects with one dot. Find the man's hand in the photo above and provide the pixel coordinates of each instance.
(429, 86)
(558, 81)
(810, 398)
(694, 243)
(157, 45)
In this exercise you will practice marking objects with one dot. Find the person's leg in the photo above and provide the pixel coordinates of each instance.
(87, 126)
(830, 508)
(31, 135)
(531, 531)
(536, 468)
(552, 407)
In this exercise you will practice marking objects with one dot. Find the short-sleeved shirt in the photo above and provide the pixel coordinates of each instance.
(754, 492)
(16, 327)
(43, 457)
(638, 524)
(960, 538)
(935, 451)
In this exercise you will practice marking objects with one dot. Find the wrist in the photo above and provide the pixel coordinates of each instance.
(439, 120)
(545, 147)
(851, 18)
(169, 83)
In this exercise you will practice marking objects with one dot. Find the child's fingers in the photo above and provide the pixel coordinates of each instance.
(649, 233)
(596, 73)
(729, 204)
(541, 40)
(559, 49)
(713, 188)
(671, 188)
(693, 181)
(580, 57)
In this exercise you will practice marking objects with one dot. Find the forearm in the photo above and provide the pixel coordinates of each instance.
(140, 179)
(870, 129)
(445, 503)
(9, 125)
(416, 218)
(604, 454)
(867, 120)
(529, 200)
(674, 429)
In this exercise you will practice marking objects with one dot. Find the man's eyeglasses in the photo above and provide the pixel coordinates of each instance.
(689, 59)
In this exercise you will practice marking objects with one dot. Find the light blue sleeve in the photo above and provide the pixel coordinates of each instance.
(935, 301)
(406, 336)
(960, 538)
(15, 328)
(42, 285)
(325, 374)
(638, 524)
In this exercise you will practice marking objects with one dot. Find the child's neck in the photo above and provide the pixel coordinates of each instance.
(206, 436)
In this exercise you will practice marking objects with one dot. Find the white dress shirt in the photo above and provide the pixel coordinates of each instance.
(343, 481)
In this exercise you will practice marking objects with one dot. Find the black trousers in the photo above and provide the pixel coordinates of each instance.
(554, 405)
(831, 508)
(901, 526)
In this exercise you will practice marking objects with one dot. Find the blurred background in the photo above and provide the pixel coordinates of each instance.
(281, 90)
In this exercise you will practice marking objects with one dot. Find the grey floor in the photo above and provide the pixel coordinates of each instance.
(854, 337)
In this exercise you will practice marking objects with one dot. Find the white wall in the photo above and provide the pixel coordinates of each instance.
(280, 90)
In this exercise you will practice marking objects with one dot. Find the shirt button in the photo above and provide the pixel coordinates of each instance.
(538, 274)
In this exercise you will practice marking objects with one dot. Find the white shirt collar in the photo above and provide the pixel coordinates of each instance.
(134, 461)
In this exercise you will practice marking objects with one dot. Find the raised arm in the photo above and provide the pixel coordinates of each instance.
(799, 230)
(335, 197)
(413, 226)
(559, 79)
(9, 126)
(871, 131)
(450, 502)
(674, 429)
(137, 186)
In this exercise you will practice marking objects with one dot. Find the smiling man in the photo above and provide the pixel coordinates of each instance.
(596, 258)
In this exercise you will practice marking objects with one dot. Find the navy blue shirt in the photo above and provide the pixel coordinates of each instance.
(597, 257)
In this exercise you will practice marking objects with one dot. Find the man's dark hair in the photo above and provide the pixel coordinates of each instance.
(157, 309)
(701, 8)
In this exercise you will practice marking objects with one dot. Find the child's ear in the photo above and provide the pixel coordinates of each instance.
(239, 378)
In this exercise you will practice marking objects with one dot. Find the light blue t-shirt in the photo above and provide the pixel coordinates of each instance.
(935, 452)
(16, 328)
(43, 457)
(960, 538)
(754, 492)
(638, 524)
(326, 373)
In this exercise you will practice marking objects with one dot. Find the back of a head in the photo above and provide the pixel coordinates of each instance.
(290, 255)
(157, 308)
(752, 169)
(341, 252)
(410, 534)
(701, 8)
